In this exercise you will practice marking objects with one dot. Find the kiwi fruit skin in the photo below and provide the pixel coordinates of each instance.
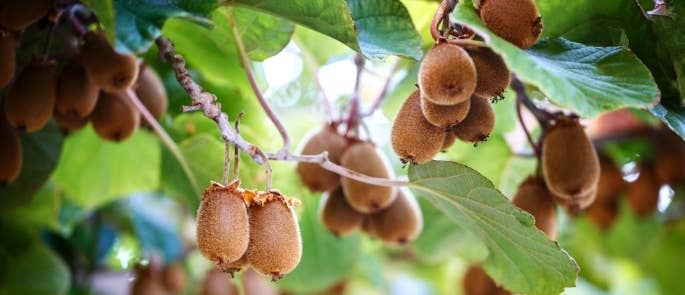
(76, 95)
(400, 223)
(450, 139)
(610, 181)
(31, 99)
(151, 92)
(477, 282)
(312, 175)
(337, 215)
(254, 284)
(275, 246)
(114, 117)
(643, 193)
(105, 67)
(174, 278)
(444, 116)
(8, 53)
(517, 21)
(217, 283)
(223, 228)
(478, 124)
(413, 138)
(17, 15)
(11, 155)
(147, 281)
(366, 198)
(68, 124)
(569, 161)
(533, 197)
(603, 213)
(668, 161)
(577, 203)
(493, 74)
(235, 266)
(447, 75)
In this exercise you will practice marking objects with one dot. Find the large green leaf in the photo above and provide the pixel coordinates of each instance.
(93, 171)
(263, 35)
(35, 270)
(587, 79)
(385, 28)
(521, 257)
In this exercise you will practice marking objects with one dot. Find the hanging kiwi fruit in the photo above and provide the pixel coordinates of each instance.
(517, 21)
(223, 227)
(532, 196)
(76, 95)
(106, 68)
(217, 282)
(643, 193)
(477, 282)
(17, 15)
(151, 92)
(400, 223)
(69, 124)
(11, 156)
(174, 278)
(493, 74)
(114, 117)
(337, 215)
(414, 139)
(8, 53)
(444, 116)
(30, 100)
(311, 174)
(364, 158)
(479, 122)
(447, 75)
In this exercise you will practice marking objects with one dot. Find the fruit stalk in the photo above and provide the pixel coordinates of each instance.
(353, 118)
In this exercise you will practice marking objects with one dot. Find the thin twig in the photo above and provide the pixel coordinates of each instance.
(353, 117)
(313, 66)
(542, 116)
(236, 151)
(437, 19)
(384, 92)
(48, 40)
(532, 143)
(255, 88)
(164, 136)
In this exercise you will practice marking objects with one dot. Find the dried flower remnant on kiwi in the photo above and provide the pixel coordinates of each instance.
(414, 139)
(364, 158)
(447, 75)
(313, 175)
(517, 21)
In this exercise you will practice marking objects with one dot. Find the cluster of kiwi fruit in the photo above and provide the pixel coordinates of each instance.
(216, 282)
(88, 86)
(389, 214)
(237, 228)
(153, 278)
(457, 81)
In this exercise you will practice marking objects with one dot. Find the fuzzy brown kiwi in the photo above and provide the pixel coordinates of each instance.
(493, 74)
(223, 228)
(217, 283)
(11, 156)
(17, 15)
(569, 160)
(31, 98)
(450, 139)
(477, 282)
(413, 138)
(337, 215)
(312, 175)
(444, 116)
(174, 278)
(478, 124)
(643, 193)
(400, 223)
(151, 92)
(275, 246)
(76, 95)
(532, 196)
(237, 265)
(603, 213)
(106, 68)
(114, 117)
(366, 198)
(147, 281)
(447, 75)
(68, 124)
(7, 57)
(517, 21)
(610, 181)
(254, 284)
(668, 161)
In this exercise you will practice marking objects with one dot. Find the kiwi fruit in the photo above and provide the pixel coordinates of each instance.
(114, 117)
(414, 139)
(533, 197)
(450, 139)
(68, 124)
(147, 281)
(254, 284)
(493, 74)
(447, 75)
(17, 15)
(400, 223)
(366, 198)
(477, 282)
(337, 215)
(76, 95)
(275, 246)
(517, 21)
(577, 203)
(174, 278)
(569, 161)
(312, 175)
(668, 161)
(223, 228)
(7, 57)
(478, 124)
(643, 193)
(610, 181)
(444, 116)
(11, 155)
(105, 67)
(31, 98)
(151, 92)
(217, 283)
(235, 266)
(603, 213)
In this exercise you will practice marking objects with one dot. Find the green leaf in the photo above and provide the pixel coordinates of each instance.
(36, 270)
(326, 259)
(330, 17)
(589, 80)
(521, 258)
(138, 23)
(263, 35)
(93, 171)
(385, 28)
(672, 115)
(104, 10)
(41, 152)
